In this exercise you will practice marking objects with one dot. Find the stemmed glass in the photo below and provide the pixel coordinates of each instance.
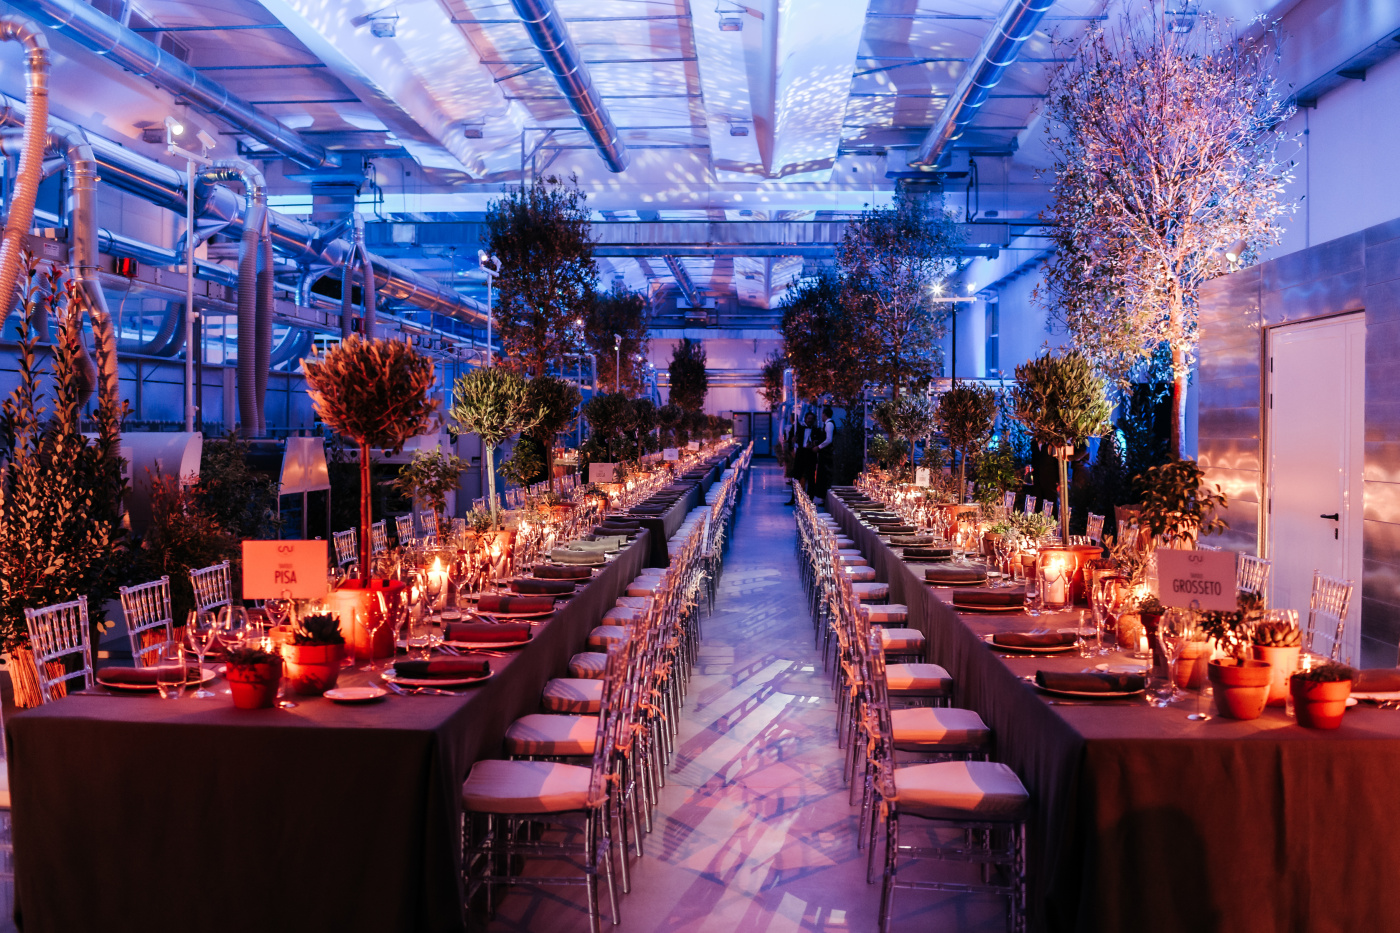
(201, 628)
(1174, 631)
(233, 626)
(458, 572)
(277, 611)
(1100, 593)
(373, 622)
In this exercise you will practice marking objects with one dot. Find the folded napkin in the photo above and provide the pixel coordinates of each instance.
(953, 575)
(1015, 596)
(609, 542)
(495, 602)
(1376, 680)
(549, 572)
(504, 632)
(590, 547)
(538, 587)
(912, 540)
(562, 555)
(928, 553)
(444, 667)
(1090, 681)
(1034, 639)
(620, 524)
(137, 676)
(895, 529)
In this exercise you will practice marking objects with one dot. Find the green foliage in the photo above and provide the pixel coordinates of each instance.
(542, 235)
(628, 315)
(1279, 634)
(430, 476)
(1144, 417)
(995, 472)
(610, 416)
(670, 418)
(689, 383)
(373, 391)
(493, 404)
(479, 520)
(1108, 483)
(1231, 631)
(644, 423)
(890, 453)
(60, 492)
(248, 655)
(556, 401)
(183, 535)
(317, 629)
(238, 499)
(821, 342)
(1177, 504)
(772, 390)
(528, 462)
(1327, 672)
(966, 415)
(1060, 400)
(908, 417)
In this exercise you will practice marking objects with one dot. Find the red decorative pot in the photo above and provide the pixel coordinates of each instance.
(1285, 662)
(1319, 704)
(254, 686)
(312, 669)
(1241, 692)
(353, 603)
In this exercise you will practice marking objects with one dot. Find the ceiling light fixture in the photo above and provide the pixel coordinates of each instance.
(174, 127)
(383, 25)
(474, 130)
(1183, 20)
(730, 20)
(738, 128)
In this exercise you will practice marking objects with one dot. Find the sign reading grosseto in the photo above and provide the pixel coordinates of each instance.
(1203, 578)
(284, 569)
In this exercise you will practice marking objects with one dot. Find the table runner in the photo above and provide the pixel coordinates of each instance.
(1146, 821)
(343, 817)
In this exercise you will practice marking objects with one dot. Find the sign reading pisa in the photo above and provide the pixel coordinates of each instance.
(284, 569)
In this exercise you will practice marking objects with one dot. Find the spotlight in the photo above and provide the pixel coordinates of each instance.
(174, 127)
(731, 22)
(737, 128)
(384, 26)
(207, 141)
(474, 130)
(1234, 252)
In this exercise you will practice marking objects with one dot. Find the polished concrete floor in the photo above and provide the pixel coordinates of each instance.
(753, 833)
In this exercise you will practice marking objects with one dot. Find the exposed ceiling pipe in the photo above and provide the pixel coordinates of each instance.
(1014, 25)
(26, 188)
(556, 46)
(82, 22)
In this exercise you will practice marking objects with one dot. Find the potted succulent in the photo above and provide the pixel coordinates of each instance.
(313, 654)
(1320, 694)
(253, 675)
(1241, 683)
(1062, 403)
(1279, 642)
(493, 404)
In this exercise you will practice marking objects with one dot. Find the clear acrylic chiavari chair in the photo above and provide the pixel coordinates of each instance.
(346, 547)
(213, 587)
(1327, 609)
(1252, 573)
(403, 529)
(379, 537)
(59, 636)
(1094, 530)
(1030, 504)
(149, 622)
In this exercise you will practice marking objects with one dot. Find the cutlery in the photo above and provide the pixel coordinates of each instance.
(414, 691)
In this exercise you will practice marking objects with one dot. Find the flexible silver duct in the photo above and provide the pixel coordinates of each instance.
(1013, 26)
(262, 345)
(82, 22)
(556, 46)
(26, 189)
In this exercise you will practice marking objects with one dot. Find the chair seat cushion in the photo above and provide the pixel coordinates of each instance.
(887, 614)
(496, 786)
(865, 591)
(961, 790)
(843, 541)
(552, 734)
(926, 679)
(652, 572)
(861, 574)
(634, 602)
(849, 552)
(901, 640)
(606, 635)
(927, 725)
(852, 560)
(588, 664)
(574, 695)
(619, 615)
(643, 587)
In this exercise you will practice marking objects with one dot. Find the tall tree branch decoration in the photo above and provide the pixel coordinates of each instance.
(541, 234)
(822, 340)
(1165, 148)
(1062, 403)
(689, 382)
(628, 315)
(891, 260)
(374, 392)
(967, 414)
(494, 404)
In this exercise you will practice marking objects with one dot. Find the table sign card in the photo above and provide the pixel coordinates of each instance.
(921, 476)
(602, 472)
(671, 453)
(1206, 578)
(693, 445)
(284, 569)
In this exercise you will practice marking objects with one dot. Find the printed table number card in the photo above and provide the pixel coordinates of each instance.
(671, 453)
(922, 476)
(693, 445)
(1205, 578)
(284, 569)
(602, 472)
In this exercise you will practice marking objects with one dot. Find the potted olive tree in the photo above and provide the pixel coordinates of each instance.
(1062, 404)
(313, 655)
(910, 418)
(966, 415)
(429, 477)
(556, 402)
(493, 404)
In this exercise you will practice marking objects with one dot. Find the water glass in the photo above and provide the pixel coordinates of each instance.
(170, 670)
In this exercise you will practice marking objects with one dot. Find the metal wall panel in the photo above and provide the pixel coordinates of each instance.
(1344, 254)
(1383, 261)
(1334, 294)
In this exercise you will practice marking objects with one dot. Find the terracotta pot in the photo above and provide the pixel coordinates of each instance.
(1285, 662)
(1190, 668)
(254, 686)
(352, 601)
(1241, 692)
(1319, 704)
(312, 669)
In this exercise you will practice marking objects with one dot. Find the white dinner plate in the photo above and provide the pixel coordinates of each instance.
(968, 608)
(206, 674)
(355, 694)
(1378, 697)
(1121, 668)
(1057, 650)
(1092, 694)
(515, 615)
(487, 644)
(393, 678)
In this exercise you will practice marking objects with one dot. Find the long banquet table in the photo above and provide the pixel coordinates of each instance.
(134, 812)
(1146, 821)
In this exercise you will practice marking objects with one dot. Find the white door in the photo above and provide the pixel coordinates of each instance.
(1316, 405)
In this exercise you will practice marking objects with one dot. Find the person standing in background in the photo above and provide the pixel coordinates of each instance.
(826, 455)
(804, 458)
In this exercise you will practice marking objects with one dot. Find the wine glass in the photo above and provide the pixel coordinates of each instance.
(170, 670)
(373, 622)
(277, 611)
(458, 570)
(233, 626)
(1173, 632)
(201, 628)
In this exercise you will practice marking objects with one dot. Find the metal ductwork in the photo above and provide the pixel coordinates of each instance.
(556, 46)
(31, 165)
(1013, 26)
(94, 30)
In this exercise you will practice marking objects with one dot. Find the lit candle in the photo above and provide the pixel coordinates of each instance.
(437, 577)
(1056, 581)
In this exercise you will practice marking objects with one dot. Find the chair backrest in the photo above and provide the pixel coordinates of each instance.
(149, 619)
(213, 587)
(1030, 504)
(1252, 573)
(346, 546)
(403, 528)
(1094, 530)
(1008, 500)
(1048, 507)
(57, 633)
(1327, 608)
(379, 537)
(428, 523)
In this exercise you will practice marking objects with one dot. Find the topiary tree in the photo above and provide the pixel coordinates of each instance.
(689, 383)
(609, 416)
(966, 414)
(527, 463)
(772, 390)
(628, 315)
(669, 418)
(821, 341)
(644, 421)
(374, 392)
(1062, 404)
(908, 417)
(430, 476)
(493, 404)
(556, 400)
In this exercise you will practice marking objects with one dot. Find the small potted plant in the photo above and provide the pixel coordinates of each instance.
(1279, 642)
(1241, 683)
(1320, 694)
(1177, 506)
(313, 654)
(429, 477)
(253, 675)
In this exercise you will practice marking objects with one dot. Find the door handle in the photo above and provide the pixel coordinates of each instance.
(1335, 516)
